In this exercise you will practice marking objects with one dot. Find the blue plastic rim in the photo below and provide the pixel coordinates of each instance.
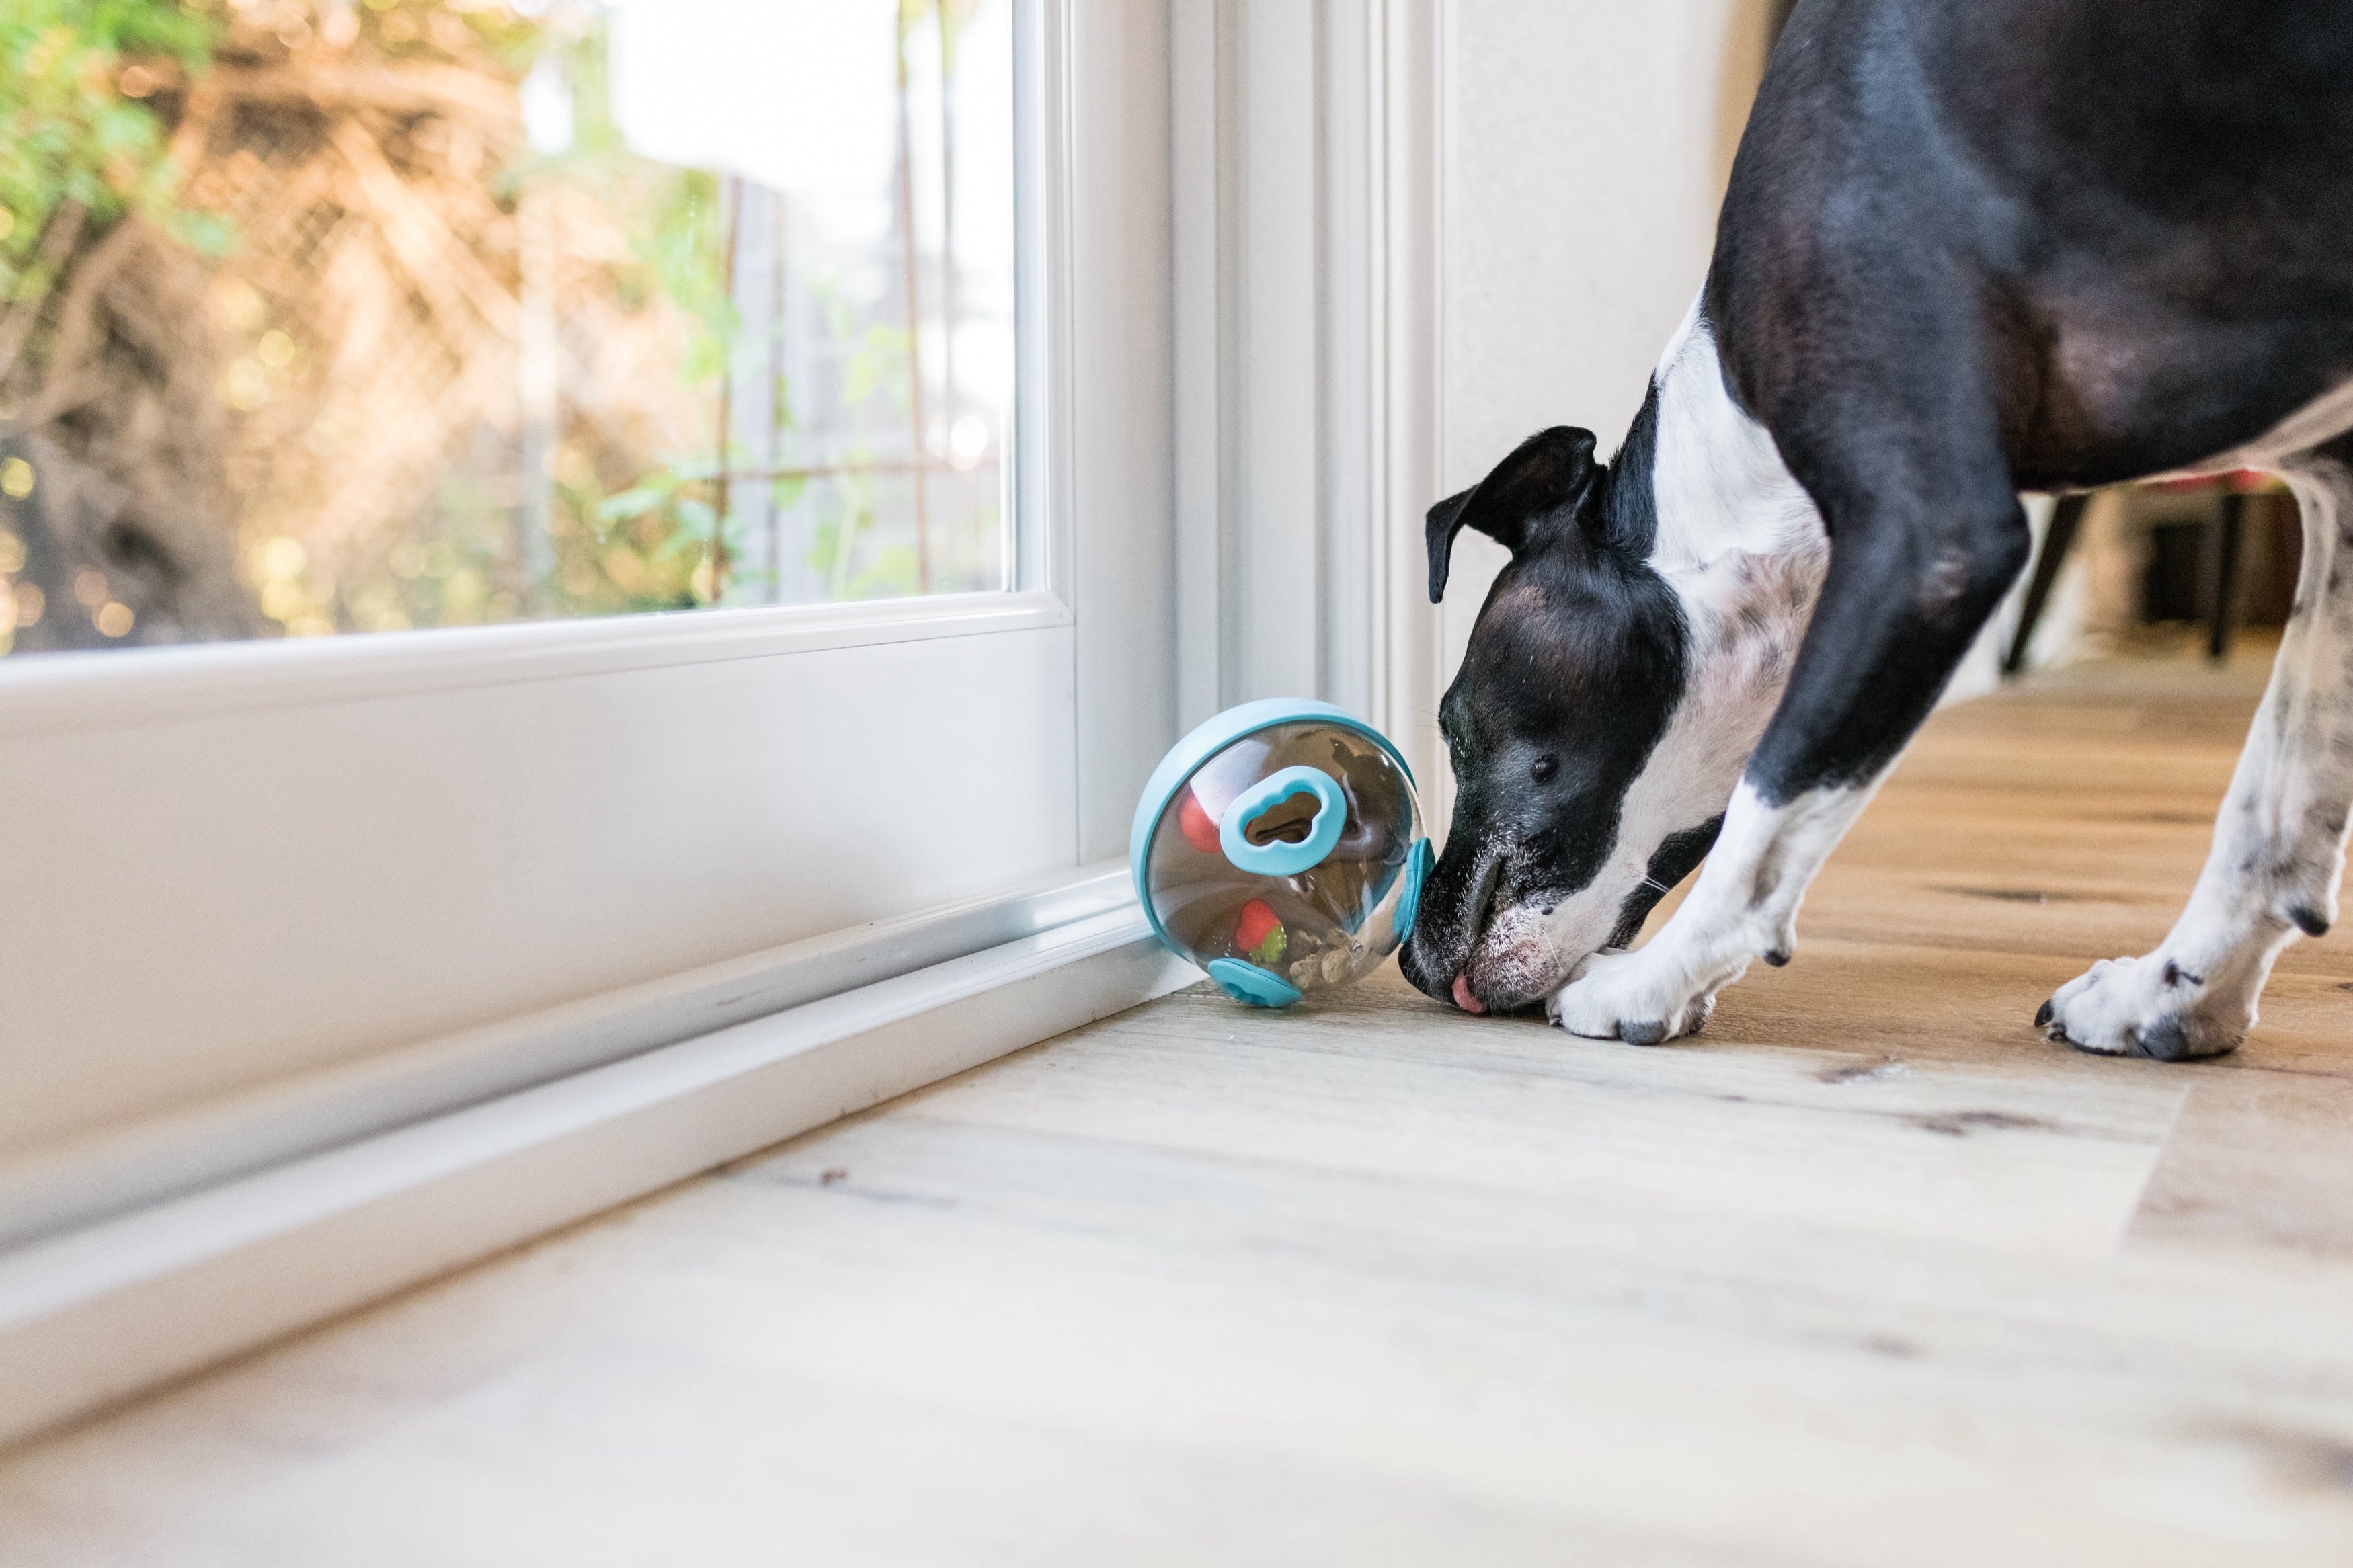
(1206, 741)
(1249, 982)
(1417, 863)
(1279, 859)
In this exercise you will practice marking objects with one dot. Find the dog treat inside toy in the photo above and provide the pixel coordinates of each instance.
(1194, 821)
(1261, 937)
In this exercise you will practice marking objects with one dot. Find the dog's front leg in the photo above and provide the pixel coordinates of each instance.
(1745, 905)
(1922, 549)
(2279, 842)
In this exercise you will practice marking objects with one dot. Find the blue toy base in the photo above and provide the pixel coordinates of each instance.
(1249, 982)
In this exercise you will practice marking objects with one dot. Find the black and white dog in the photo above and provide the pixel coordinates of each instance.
(1971, 247)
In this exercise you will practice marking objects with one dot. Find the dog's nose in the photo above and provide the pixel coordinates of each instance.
(1464, 1000)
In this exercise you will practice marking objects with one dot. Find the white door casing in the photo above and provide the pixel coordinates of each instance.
(1309, 206)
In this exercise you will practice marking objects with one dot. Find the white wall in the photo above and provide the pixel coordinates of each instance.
(1586, 146)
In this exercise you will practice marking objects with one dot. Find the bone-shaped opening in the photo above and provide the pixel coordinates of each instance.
(1287, 821)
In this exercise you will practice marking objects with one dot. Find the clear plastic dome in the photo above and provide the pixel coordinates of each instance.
(1280, 848)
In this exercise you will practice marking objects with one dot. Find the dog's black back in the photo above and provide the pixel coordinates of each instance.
(2149, 206)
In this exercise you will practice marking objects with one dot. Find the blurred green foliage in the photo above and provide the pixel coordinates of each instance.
(626, 529)
(73, 132)
(654, 538)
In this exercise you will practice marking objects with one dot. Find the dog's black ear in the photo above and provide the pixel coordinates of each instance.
(1544, 473)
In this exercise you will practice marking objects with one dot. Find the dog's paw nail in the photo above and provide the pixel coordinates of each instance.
(2043, 1015)
(1647, 1034)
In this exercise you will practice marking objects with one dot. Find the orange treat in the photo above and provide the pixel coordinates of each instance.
(1260, 935)
(1199, 828)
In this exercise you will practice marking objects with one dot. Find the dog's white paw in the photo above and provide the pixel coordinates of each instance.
(2151, 1006)
(1645, 997)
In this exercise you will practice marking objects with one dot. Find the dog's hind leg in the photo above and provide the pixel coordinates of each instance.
(2279, 843)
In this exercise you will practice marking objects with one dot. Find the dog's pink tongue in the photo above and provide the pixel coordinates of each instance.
(1464, 1000)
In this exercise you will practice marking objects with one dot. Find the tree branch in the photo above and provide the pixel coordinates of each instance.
(16, 326)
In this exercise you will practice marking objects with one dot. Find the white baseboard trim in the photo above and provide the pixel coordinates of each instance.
(91, 1316)
(49, 1190)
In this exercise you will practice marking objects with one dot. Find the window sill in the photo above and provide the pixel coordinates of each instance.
(49, 692)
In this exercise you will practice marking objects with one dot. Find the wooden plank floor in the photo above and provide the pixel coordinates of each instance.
(1870, 1275)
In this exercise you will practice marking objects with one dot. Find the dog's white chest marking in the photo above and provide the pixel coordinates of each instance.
(1743, 549)
(1719, 483)
(1740, 543)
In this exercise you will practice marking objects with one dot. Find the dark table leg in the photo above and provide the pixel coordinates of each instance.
(2226, 574)
(2067, 522)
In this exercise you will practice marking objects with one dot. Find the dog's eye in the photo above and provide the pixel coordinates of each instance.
(1541, 770)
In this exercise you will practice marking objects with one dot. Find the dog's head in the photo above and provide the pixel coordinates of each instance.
(1571, 818)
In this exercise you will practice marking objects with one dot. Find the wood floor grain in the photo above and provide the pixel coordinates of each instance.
(1870, 1273)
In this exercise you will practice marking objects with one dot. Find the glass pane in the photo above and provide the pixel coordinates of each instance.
(323, 316)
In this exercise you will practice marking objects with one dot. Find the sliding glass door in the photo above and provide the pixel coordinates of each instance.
(518, 500)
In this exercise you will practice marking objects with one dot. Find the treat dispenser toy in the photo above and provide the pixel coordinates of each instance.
(1280, 848)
